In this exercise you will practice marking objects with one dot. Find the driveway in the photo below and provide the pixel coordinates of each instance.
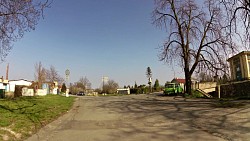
(148, 118)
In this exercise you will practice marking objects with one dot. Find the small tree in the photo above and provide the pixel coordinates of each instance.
(135, 85)
(156, 85)
(149, 76)
(63, 88)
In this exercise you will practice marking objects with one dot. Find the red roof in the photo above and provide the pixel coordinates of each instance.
(178, 80)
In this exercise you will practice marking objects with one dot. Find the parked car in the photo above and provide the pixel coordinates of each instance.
(173, 88)
(81, 94)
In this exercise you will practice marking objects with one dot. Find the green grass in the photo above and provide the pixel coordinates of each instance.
(25, 115)
(195, 94)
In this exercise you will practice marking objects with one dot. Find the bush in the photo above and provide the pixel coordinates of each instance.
(139, 90)
(195, 94)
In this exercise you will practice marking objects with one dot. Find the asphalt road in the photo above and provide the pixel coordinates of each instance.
(148, 118)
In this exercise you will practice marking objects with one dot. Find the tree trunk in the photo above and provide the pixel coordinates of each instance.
(188, 82)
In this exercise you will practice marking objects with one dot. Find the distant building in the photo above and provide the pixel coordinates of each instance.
(123, 91)
(240, 66)
(4, 84)
(182, 82)
(179, 81)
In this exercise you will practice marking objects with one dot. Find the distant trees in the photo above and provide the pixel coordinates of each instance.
(16, 18)
(110, 87)
(46, 75)
(53, 76)
(196, 35)
(205, 77)
(80, 85)
(40, 74)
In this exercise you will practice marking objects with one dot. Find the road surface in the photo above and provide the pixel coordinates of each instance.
(148, 118)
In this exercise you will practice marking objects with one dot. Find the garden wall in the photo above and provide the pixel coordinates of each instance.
(235, 89)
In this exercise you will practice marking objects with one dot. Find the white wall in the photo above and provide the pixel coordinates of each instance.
(27, 92)
(2, 86)
(13, 83)
(41, 92)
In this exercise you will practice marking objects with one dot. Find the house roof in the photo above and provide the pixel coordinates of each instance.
(239, 54)
(20, 80)
(179, 80)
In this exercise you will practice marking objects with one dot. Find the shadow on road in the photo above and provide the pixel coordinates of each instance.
(182, 117)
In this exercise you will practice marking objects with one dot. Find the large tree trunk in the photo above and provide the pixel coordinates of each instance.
(188, 82)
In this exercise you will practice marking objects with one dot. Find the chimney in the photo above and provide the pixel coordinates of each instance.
(7, 72)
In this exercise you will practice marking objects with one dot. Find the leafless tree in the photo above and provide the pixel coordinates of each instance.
(16, 18)
(110, 87)
(80, 85)
(205, 77)
(85, 82)
(40, 74)
(238, 14)
(52, 75)
(196, 35)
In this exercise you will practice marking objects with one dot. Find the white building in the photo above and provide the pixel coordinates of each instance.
(20, 82)
(3, 84)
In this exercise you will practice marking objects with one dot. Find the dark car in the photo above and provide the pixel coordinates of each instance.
(81, 94)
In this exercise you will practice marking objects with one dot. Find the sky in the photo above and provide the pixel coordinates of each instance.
(94, 38)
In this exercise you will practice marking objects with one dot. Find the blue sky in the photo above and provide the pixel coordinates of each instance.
(93, 38)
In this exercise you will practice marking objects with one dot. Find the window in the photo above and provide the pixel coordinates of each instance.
(248, 56)
(237, 68)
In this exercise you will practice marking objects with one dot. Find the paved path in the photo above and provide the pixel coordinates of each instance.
(148, 118)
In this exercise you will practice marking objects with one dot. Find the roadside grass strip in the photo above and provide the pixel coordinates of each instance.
(21, 117)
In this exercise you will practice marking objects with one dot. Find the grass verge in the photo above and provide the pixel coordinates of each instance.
(23, 116)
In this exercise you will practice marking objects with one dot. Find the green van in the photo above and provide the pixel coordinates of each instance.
(172, 88)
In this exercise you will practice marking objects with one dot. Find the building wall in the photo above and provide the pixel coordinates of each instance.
(13, 83)
(243, 59)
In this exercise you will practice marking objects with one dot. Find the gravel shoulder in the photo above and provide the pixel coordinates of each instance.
(148, 117)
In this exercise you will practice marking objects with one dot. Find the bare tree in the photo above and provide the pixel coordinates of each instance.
(80, 85)
(40, 74)
(85, 82)
(196, 36)
(205, 77)
(52, 75)
(238, 14)
(16, 18)
(110, 87)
